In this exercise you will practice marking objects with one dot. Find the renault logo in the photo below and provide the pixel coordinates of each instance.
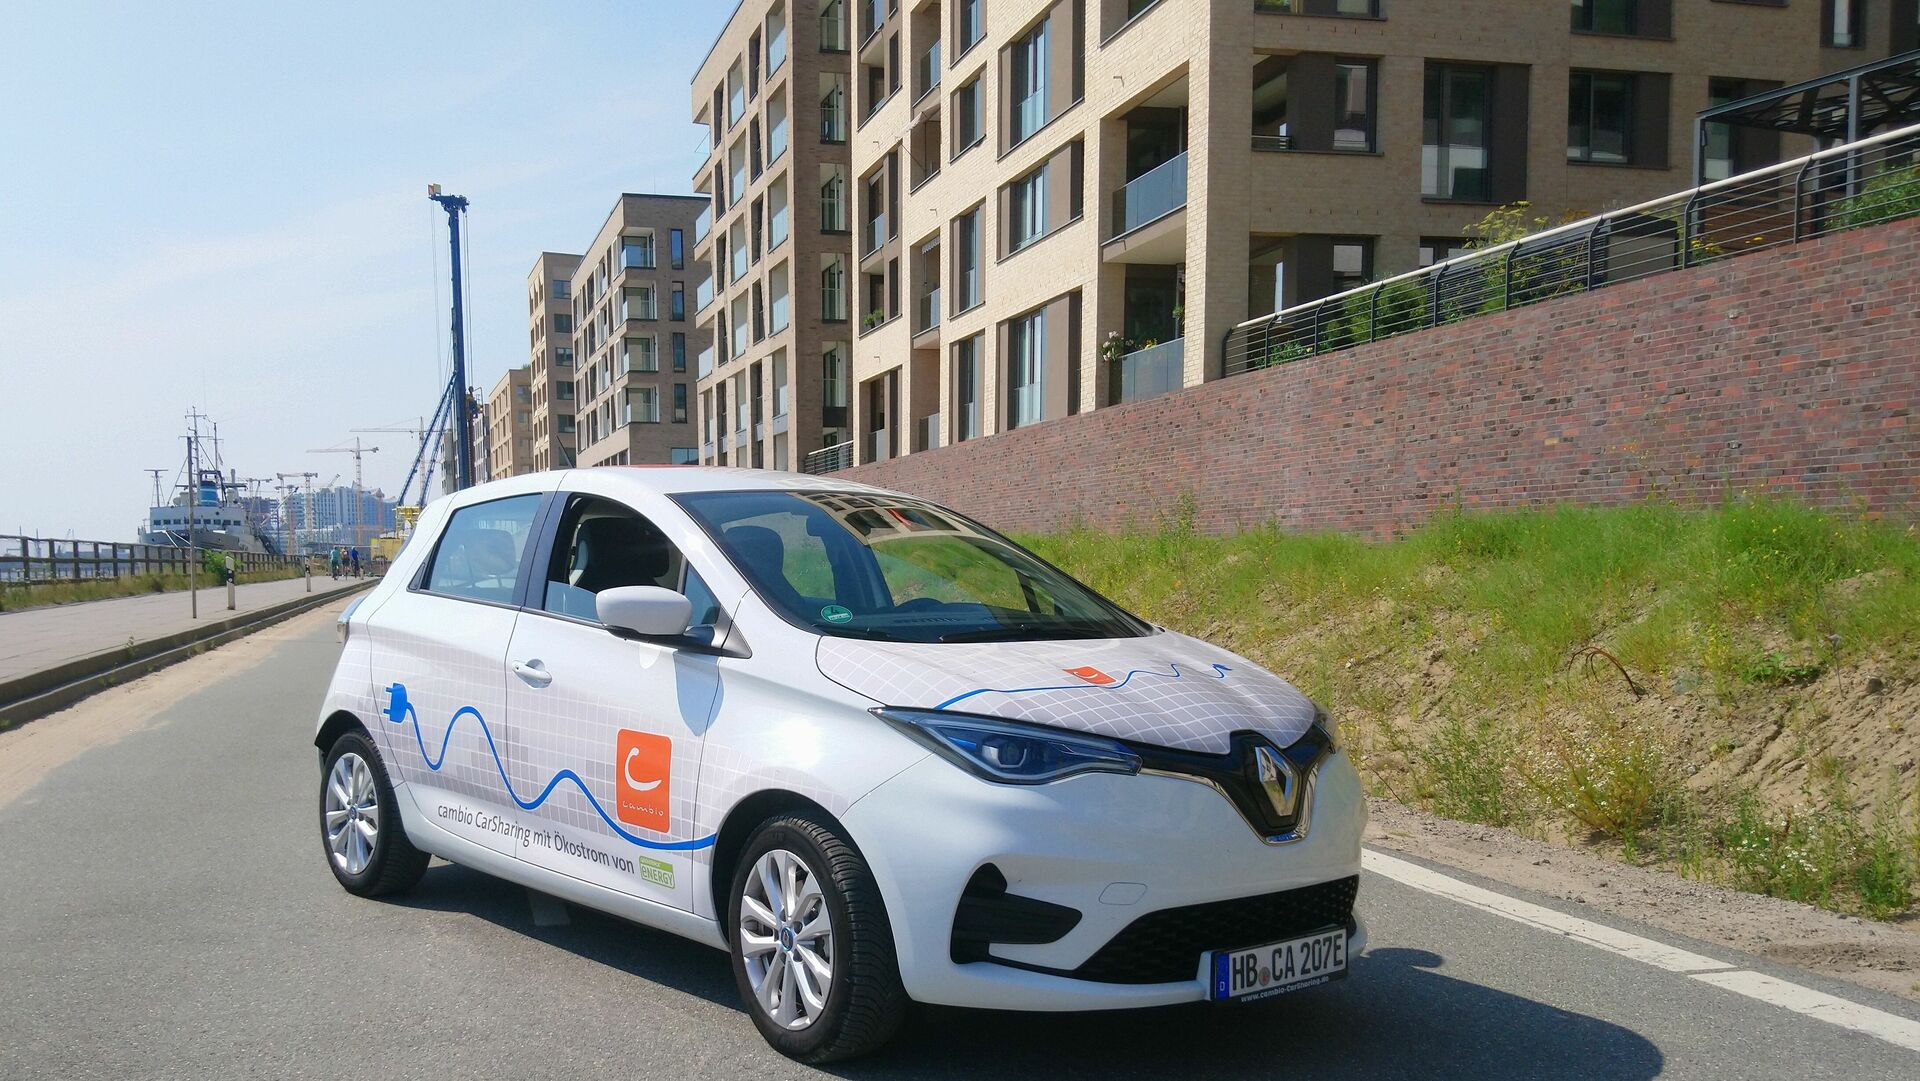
(1277, 777)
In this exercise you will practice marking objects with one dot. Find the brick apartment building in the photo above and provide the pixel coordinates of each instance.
(1001, 212)
(550, 368)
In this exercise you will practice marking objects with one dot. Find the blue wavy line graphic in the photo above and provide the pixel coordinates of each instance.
(1219, 672)
(400, 711)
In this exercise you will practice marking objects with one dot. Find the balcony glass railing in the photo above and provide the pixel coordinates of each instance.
(703, 223)
(1030, 113)
(636, 256)
(833, 28)
(833, 214)
(926, 74)
(705, 363)
(926, 310)
(776, 140)
(1159, 191)
(703, 295)
(833, 117)
(776, 49)
(874, 15)
(876, 234)
(1151, 372)
(929, 432)
(776, 227)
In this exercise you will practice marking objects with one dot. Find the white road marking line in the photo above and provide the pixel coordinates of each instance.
(1894, 1029)
(1835, 1011)
(548, 910)
(1657, 954)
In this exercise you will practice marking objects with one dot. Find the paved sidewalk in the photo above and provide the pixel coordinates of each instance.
(41, 638)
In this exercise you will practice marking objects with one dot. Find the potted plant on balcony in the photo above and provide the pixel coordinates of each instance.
(1179, 320)
(1115, 347)
(874, 318)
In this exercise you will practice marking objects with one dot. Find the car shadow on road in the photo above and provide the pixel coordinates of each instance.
(1398, 1015)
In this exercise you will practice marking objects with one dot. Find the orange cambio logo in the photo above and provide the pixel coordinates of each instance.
(642, 769)
(1091, 675)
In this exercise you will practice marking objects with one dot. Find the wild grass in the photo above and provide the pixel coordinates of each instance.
(1481, 664)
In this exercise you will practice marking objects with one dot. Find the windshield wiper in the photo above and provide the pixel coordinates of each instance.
(1033, 631)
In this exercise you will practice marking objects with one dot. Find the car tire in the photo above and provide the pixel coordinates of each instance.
(355, 799)
(864, 1004)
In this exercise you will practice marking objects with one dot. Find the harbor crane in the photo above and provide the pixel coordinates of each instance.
(359, 476)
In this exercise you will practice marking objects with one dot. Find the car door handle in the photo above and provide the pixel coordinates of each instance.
(533, 672)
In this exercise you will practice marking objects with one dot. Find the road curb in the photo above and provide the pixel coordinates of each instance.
(27, 697)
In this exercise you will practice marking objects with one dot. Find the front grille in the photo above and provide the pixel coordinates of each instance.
(1165, 946)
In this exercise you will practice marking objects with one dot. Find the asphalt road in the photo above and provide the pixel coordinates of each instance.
(165, 912)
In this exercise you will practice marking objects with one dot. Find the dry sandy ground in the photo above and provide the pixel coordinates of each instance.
(1885, 957)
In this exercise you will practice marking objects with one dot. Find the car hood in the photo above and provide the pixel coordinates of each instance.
(1165, 688)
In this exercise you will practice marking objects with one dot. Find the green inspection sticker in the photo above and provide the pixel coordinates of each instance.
(833, 613)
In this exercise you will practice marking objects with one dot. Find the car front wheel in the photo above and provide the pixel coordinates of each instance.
(812, 950)
(366, 846)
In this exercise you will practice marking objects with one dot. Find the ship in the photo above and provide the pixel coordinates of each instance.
(211, 506)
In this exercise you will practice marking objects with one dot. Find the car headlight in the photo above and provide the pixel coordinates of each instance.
(1010, 752)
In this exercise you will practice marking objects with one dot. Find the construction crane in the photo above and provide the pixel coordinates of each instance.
(305, 519)
(359, 477)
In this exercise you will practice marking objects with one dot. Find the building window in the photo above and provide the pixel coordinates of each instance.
(677, 248)
(1026, 368)
(636, 252)
(683, 456)
(1439, 249)
(777, 290)
(561, 287)
(966, 261)
(967, 130)
(1730, 151)
(563, 422)
(562, 323)
(1353, 105)
(1027, 209)
(969, 25)
(563, 356)
(642, 406)
(833, 290)
(833, 378)
(1454, 160)
(1841, 24)
(679, 346)
(639, 303)
(679, 403)
(677, 304)
(966, 388)
(1606, 16)
(639, 355)
(563, 390)
(777, 212)
(1027, 97)
(1600, 118)
(1352, 263)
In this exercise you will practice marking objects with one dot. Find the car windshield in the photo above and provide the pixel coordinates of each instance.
(898, 570)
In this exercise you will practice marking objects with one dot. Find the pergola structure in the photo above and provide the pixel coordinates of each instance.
(1840, 107)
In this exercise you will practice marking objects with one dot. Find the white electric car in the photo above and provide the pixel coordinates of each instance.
(876, 751)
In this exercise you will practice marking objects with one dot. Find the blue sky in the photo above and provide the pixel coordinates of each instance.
(224, 206)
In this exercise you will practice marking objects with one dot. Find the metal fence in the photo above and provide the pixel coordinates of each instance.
(35, 559)
(829, 459)
(1863, 183)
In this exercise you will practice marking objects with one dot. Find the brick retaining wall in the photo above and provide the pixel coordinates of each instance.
(1795, 370)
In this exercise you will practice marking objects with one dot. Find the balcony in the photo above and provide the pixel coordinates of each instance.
(636, 256)
(776, 50)
(828, 459)
(1153, 371)
(1150, 196)
(705, 363)
(873, 235)
(833, 117)
(926, 71)
(703, 223)
(926, 311)
(879, 447)
(927, 432)
(702, 295)
(833, 212)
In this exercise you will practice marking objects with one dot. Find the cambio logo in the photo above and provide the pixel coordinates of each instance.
(642, 773)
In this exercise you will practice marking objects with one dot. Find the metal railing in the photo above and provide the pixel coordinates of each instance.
(828, 459)
(1153, 371)
(1153, 194)
(1863, 183)
(1350, 8)
(35, 559)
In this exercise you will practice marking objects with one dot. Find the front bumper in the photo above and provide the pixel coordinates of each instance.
(1114, 848)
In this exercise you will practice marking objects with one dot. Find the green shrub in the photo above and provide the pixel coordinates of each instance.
(1892, 194)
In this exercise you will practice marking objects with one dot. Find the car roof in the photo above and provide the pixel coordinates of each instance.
(675, 479)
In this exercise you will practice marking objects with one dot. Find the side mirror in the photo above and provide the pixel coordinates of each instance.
(648, 611)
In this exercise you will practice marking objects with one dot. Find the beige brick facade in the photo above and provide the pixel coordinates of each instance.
(1347, 189)
(550, 364)
(508, 417)
(634, 338)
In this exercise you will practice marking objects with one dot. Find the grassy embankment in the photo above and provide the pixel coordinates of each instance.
(16, 597)
(1732, 692)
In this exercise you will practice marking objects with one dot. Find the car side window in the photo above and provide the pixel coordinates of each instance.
(602, 545)
(480, 551)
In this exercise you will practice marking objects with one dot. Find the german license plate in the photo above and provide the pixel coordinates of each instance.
(1263, 971)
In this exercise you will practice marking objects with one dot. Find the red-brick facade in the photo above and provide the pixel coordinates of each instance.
(1795, 370)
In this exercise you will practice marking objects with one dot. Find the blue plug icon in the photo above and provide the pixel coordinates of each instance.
(397, 703)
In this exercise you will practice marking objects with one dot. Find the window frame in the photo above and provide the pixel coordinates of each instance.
(419, 583)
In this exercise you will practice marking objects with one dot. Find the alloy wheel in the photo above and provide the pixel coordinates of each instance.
(786, 939)
(352, 813)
